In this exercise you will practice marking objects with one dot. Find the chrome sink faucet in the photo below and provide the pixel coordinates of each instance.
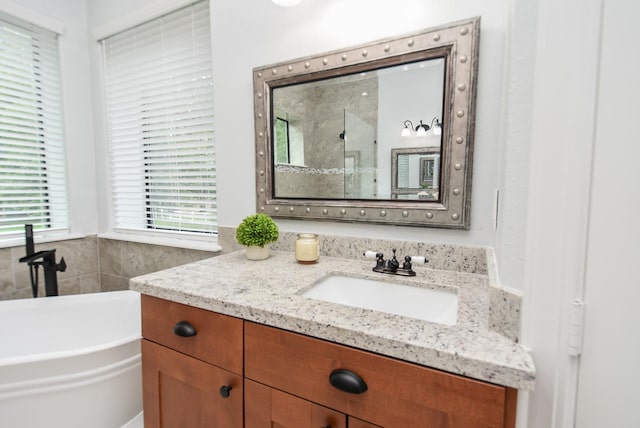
(392, 266)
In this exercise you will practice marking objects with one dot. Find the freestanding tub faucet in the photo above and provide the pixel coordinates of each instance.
(46, 259)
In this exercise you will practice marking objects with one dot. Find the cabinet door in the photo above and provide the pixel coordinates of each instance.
(266, 407)
(183, 392)
(398, 394)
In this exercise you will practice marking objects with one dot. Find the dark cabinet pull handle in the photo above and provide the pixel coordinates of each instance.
(347, 381)
(184, 329)
(327, 426)
(225, 390)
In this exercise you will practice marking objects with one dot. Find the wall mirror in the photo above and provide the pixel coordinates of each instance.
(379, 133)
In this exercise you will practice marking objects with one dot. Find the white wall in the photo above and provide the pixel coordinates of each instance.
(76, 87)
(515, 140)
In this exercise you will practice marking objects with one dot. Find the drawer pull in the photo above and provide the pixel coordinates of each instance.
(225, 390)
(184, 329)
(347, 381)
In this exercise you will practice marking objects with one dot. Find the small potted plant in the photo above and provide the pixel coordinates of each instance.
(256, 232)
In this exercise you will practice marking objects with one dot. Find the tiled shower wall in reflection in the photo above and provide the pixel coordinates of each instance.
(93, 265)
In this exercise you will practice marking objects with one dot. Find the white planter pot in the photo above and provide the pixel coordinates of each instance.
(258, 253)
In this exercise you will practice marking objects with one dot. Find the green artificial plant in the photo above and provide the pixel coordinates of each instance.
(257, 230)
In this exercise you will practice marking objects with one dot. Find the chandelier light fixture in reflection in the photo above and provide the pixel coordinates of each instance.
(422, 128)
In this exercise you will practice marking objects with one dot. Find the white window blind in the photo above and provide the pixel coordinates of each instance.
(160, 111)
(32, 161)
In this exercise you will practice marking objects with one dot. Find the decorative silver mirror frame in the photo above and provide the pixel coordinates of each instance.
(458, 43)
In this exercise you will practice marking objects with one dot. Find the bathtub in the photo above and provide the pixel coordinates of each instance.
(70, 361)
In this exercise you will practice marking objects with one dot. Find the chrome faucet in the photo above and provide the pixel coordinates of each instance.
(392, 266)
(46, 259)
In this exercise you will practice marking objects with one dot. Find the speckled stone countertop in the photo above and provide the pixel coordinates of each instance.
(268, 292)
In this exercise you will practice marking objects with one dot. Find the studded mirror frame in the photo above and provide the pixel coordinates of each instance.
(458, 43)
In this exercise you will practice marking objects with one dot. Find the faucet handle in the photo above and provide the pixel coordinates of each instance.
(62, 266)
(370, 254)
(379, 257)
(419, 260)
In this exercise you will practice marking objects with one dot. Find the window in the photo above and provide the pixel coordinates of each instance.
(160, 113)
(32, 161)
(282, 141)
(289, 140)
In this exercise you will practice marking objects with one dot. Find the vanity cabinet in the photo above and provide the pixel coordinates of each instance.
(398, 394)
(191, 367)
(206, 369)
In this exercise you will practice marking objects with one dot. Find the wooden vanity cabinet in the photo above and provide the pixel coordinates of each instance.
(206, 369)
(191, 367)
(398, 394)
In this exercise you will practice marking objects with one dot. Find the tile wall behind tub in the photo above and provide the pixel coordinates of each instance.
(81, 275)
(93, 265)
(122, 260)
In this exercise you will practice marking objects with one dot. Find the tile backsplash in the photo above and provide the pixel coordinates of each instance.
(440, 256)
(459, 258)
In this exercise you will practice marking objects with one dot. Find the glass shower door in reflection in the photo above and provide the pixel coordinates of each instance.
(360, 158)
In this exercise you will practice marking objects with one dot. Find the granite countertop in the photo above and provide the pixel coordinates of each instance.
(268, 292)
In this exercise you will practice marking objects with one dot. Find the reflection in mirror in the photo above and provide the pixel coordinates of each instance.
(416, 174)
(333, 137)
(328, 127)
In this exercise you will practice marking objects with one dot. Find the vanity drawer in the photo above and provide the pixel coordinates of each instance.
(398, 394)
(217, 339)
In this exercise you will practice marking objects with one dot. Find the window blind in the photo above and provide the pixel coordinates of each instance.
(32, 161)
(160, 111)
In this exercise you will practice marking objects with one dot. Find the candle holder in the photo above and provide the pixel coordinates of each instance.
(307, 248)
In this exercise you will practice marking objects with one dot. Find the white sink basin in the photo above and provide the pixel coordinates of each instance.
(439, 306)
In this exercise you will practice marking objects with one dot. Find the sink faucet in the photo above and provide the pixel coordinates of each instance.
(392, 266)
(46, 259)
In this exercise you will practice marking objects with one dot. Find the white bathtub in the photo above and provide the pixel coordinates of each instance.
(70, 361)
